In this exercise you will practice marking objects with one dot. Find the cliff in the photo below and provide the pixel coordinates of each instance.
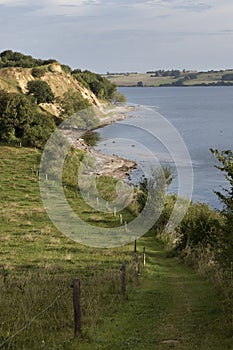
(15, 79)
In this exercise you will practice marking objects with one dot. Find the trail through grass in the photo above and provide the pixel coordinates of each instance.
(171, 308)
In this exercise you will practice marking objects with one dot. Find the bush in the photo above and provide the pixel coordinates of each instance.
(41, 91)
(73, 102)
(38, 72)
(21, 122)
(200, 226)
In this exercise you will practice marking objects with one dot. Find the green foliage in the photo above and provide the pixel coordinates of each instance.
(15, 115)
(8, 58)
(99, 85)
(225, 252)
(37, 133)
(41, 91)
(200, 226)
(66, 68)
(226, 160)
(156, 186)
(20, 120)
(38, 72)
(73, 102)
(91, 138)
(119, 97)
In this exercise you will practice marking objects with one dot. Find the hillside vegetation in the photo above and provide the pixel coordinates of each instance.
(36, 95)
(170, 307)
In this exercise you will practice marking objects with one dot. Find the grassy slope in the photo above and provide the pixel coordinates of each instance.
(133, 79)
(37, 264)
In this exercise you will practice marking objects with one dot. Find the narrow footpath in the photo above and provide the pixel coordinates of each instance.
(172, 308)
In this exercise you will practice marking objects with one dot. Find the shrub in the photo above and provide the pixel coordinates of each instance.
(41, 91)
(38, 72)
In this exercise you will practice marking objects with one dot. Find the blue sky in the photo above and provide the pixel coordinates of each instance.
(121, 35)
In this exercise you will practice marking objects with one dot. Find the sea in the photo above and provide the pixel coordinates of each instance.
(175, 127)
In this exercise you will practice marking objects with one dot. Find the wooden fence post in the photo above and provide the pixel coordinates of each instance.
(135, 246)
(77, 307)
(137, 272)
(123, 279)
(144, 256)
(121, 219)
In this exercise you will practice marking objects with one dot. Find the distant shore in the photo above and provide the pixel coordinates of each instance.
(173, 78)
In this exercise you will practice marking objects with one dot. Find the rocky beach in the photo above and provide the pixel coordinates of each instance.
(106, 165)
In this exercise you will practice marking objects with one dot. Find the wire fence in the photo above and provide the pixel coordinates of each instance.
(69, 312)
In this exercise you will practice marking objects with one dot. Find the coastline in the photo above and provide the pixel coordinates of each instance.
(106, 165)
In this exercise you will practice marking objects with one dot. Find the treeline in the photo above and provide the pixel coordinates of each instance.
(8, 58)
(176, 73)
(100, 86)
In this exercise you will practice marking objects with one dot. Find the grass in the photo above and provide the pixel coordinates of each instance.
(171, 306)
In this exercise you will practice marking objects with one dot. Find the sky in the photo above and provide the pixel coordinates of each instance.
(121, 35)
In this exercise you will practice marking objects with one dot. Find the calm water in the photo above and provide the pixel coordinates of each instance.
(202, 116)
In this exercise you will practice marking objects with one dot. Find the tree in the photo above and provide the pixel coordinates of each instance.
(226, 159)
(225, 252)
(16, 111)
(39, 130)
(73, 102)
(41, 91)
(21, 121)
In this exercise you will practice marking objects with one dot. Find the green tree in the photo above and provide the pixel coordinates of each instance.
(225, 251)
(73, 102)
(16, 111)
(21, 121)
(41, 91)
(226, 160)
(39, 130)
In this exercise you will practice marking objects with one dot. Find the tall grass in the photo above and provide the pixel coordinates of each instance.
(38, 263)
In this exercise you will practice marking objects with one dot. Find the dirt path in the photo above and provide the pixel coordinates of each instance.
(172, 308)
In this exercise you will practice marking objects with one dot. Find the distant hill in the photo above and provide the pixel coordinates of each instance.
(172, 78)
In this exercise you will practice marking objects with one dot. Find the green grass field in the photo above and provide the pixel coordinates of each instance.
(170, 308)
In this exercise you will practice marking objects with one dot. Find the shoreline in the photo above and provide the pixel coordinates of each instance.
(106, 165)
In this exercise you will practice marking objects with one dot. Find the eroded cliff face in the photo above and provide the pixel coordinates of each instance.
(15, 79)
